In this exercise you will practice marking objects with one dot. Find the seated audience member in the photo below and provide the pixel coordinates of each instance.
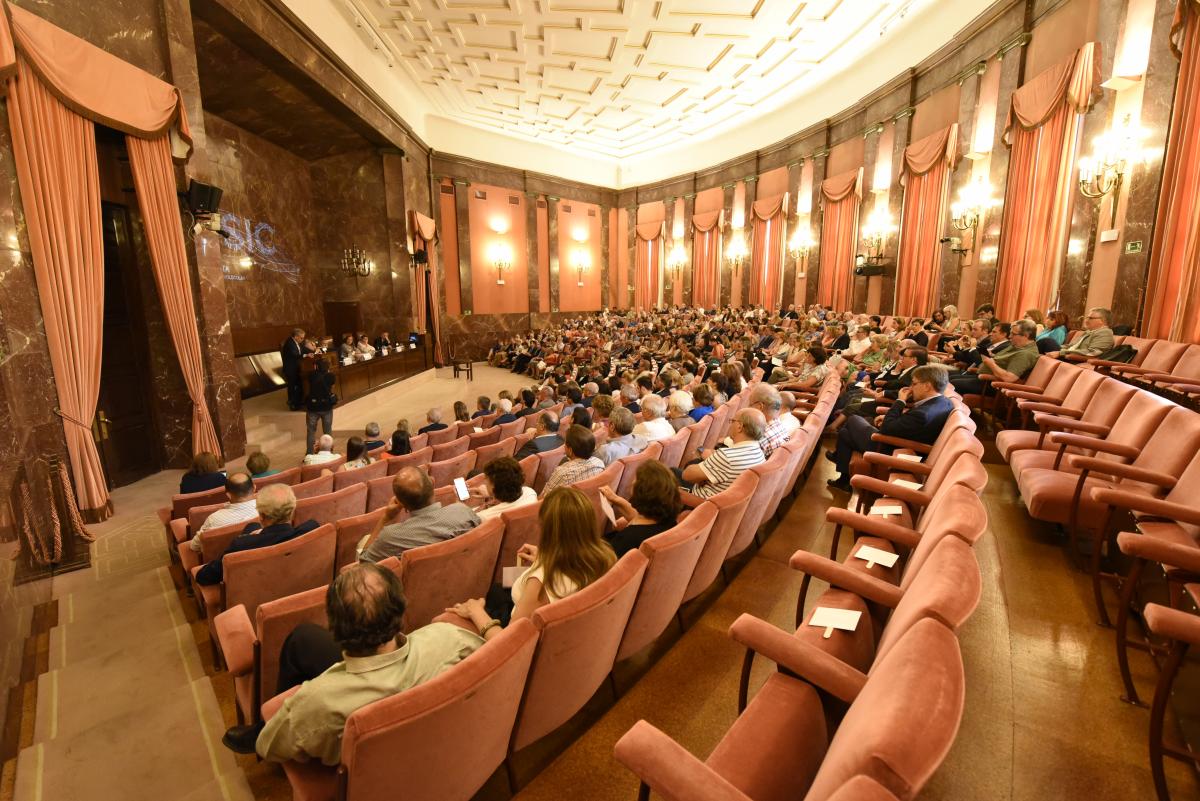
(787, 402)
(528, 403)
(574, 401)
(654, 425)
(371, 437)
(364, 345)
(324, 451)
(571, 555)
(859, 342)
(579, 462)
(813, 370)
(401, 441)
(864, 402)
(1055, 336)
(1097, 336)
(259, 465)
(504, 406)
(363, 657)
(1011, 364)
(629, 398)
(427, 522)
(621, 439)
(590, 390)
(602, 406)
(545, 398)
(580, 416)
(434, 418)
(356, 455)
(918, 414)
(347, 349)
(652, 508)
(483, 406)
(275, 504)
(765, 398)
(204, 474)
(239, 488)
(679, 409)
(703, 398)
(460, 412)
(383, 341)
(504, 488)
(546, 438)
(716, 471)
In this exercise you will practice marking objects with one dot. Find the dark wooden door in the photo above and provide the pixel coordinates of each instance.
(342, 317)
(124, 426)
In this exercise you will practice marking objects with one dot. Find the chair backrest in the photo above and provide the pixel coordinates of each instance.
(445, 573)
(215, 541)
(379, 492)
(378, 452)
(521, 527)
(442, 436)
(511, 429)
(310, 471)
(497, 450)
(959, 461)
(289, 477)
(698, 433)
(547, 461)
(1188, 365)
(1081, 391)
(198, 514)
(673, 447)
(1137, 422)
(731, 508)
(405, 735)
(180, 504)
(1043, 370)
(903, 722)
(796, 448)
(264, 574)
(671, 557)
(477, 439)
(415, 459)
(956, 511)
(360, 475)
(1059, 385)
(486, 420)
(716, 426)
(350, 531)
(1108, 402)
(608, 477)
(771, 474)
(1172, 445)
(578, 643)
(418, 441)
(631, 464)
(274, 621)
(322, 485)
(1163, 355)
(443, 473)
(1140, 344)
(731, 408)
(451, 449)
(529, 469)
(333, 506)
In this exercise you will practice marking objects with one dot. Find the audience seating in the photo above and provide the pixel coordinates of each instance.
(521, 527)
(442, 436)
(417, 442)
(547, 461)
(631, 463)
(1182, 631)
(442, 574)
(771, 476)
(350, 531)
(416, 458)
(511, 429)
(180, 504)
(608, 477)
(379, 492)
(497, 450)
(731, 505)
(332, 506)
(477, 439)
(321, 485)
(699, 432)
(717, 426)
(1094, 403)
(310, 471)
(213, 543)
(360, 475)
(443, 473)
(451, 449)
(289, 477)
(673, 447)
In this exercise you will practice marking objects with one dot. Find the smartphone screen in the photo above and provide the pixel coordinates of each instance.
(460, 486)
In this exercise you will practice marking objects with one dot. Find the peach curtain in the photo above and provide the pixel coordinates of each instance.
(1173, 293)
(928, 163)
(424, 235)
(154, 180)
(1043, 130)
(55, 154)
(646, 266)
(706, 258)
(766, 285)
(841, 196)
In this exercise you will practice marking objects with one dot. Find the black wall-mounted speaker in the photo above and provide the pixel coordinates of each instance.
(203, 198)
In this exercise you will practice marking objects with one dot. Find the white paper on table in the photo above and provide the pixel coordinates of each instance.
(509, 575)
(876, 556)
(607, 508)
(883, 510)
(412, 345)
(908, 457)
(828, 618)
(903, 482)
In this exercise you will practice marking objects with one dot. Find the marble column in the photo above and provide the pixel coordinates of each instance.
(531, 252)
(462, 217)
(668, 274)
(813, 272)
(861, 286)
(788, 295)
(748, 270)
(723, 269)
(959, 269)
(552, 227)
(397, 234)
(605, 299)
(631, 273)
(689, 245)
(901, 140)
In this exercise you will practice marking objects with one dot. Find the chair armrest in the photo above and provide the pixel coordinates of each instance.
(1025, 395)
(1179, 626)
(837, 574)
(890, 490)
(669, 768)
(1017, 386)
(235, 633)
(1147, 505)
(188, 559)
(809, 663)
(179, 529)
(1095, 444)
(874, 525)
(164, 515)
(1049, 409)
(689, 500)
(1050, 422)
(1119, 367)
(1108, 467)
(900, 464)
(1076, 357)
(1187, 389)
(898, 442)
(1152, 549)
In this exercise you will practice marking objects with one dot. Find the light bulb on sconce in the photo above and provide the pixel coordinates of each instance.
(801, 243)
(737, 253)
(581, 261)
(966, 213)
(579, 234)
(676, 259)
(498, 225)
(876, 232)
(1114, 153)
(500, 254)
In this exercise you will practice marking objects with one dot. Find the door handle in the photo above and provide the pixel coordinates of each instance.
(103, 424)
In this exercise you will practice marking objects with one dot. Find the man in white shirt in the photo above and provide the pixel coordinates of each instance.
(654, 425)
(239, 488)
(324, 451)
(720, 469)
(787, 403)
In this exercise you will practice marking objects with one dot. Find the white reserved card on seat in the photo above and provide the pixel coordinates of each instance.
(828, 618)
(908, 457)
(606, 507)
(510, 575)
(876, 556)
(477, 429)
(885, 509)
(903, 482)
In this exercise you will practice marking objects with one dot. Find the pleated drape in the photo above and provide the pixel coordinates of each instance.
(55, 153)
(706, 258)
(1043, 130)
(647, 265)
(1173, 293)
(766, 283)
(154, 179)
(839, 236)
(424, 236)
(927, 167)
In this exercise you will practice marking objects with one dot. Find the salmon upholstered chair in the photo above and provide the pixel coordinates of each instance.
(451, 449)
(608, 477)
(771, 476)
(378, 452)
(486, 420)
(1186, 370)
(794, 450)
(497, 450)
(310, 471)
(697, 433)
(631, 463)
(264, 574)
(1158, 356)
(413, 737)
(547, 461)
(289, 477)
(671, 557)
(333, 506)
(379, 492)
(1055, 391)
(578, 640)
(529, 469)
(1182, 630)
(1041, 373)
(902, 720)
(350, 531)
(322, 485)
(717, 427)
(194, 520)
(447, 434)
(477, 439)
(180, 505)
(213, 543)
(946, 586)
(443, 473)
(731, 507)
(521, 527)
(1106, 399)
(416, 443)
(511, 429)
(524, 437)
(360, 475)
(673, 447)
(417, 458)
(444, 573)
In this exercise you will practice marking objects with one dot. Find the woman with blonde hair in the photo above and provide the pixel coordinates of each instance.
(952, 321)
(1036, 317)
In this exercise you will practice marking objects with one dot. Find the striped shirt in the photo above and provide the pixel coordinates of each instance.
(723, 466)
(572, 471)
(776, 434)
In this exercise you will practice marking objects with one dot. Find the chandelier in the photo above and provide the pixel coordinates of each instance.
(355, 262)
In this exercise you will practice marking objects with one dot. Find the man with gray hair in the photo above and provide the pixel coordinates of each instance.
(1096, 339)
(790, 421)
(1011, 364)
(504, 406)
(324, 451)
(765, 398)
(629, 398)
(622, 441)
(718, 470)
(371, 437)
(276, 504)
(654, 425)
(434, 416)
(679, 407)
(590, 390)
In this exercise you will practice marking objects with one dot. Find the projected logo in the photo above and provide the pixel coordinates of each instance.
(252, 243)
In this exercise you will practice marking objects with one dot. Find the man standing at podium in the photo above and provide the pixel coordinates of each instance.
(292, 353)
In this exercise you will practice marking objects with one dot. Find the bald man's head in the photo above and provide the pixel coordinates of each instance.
(413, 488)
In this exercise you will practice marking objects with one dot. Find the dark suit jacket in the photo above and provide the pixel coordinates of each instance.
(291, 355)
(504, 418)
(892, 388)
(214, 571)
(921, 338)
(431, 427)
(546, 442)
(922, 422)
(841, 343)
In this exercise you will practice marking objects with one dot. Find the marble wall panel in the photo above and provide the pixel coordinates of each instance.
(472, 335)
(132, 30)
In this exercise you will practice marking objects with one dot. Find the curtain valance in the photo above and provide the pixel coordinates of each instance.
(842, 186)
(649, 231)
(1072, 82)
(940, 147)
(767, 208)
(425, 227)
(706, 221)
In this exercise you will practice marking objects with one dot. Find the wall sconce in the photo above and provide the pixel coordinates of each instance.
(581, 260)
(968, 211)
(498, 225)
(355, 262)
(801, 243)
(875, 233)
(500, 254)
(676, 259)
(737, 253)
(1114, 152)
(579, 234)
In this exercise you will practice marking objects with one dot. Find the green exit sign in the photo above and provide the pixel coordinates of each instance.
(1133, 247)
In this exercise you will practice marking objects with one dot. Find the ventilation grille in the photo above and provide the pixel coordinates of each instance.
(513, 200)
(447, 190)
(480, 194)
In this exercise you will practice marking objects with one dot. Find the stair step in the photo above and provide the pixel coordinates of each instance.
(112, 760)
(271, 444)
(261, 430)
(92, 690)
(98, 600)
(100, 632)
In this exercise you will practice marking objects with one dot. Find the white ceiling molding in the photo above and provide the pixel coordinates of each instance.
(622, 92)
